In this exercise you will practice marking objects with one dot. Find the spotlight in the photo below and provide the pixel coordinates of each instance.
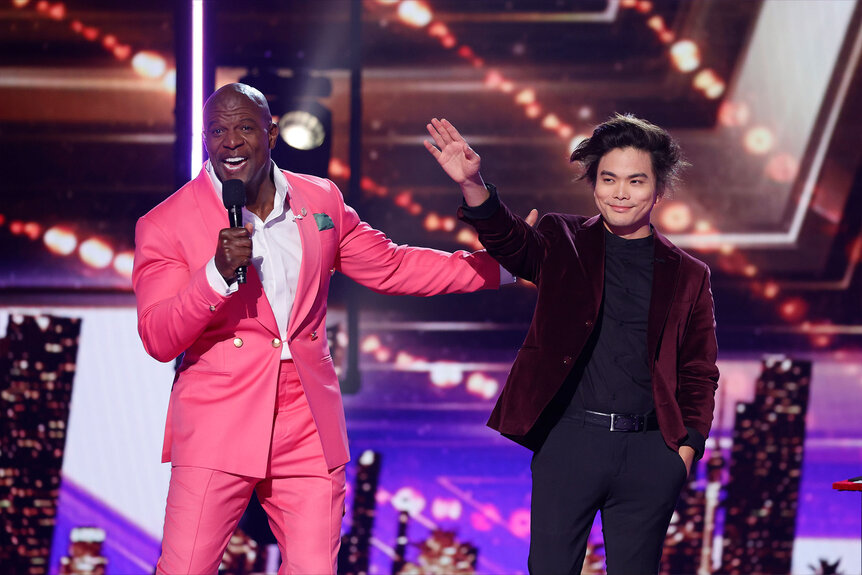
(306, 137)
(305, 125)
(301, 130)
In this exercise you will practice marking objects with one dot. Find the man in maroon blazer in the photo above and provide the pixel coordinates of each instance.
(614, 385)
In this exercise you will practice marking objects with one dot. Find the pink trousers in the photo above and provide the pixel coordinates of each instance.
(303, 500)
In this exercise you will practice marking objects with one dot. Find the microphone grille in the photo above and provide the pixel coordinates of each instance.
(233, 193)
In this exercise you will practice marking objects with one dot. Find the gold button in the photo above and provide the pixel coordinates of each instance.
(567, 360)
(304, 212)
(276, 342)
(313, 335)
(332, 271)
(237, 342)
(212, 308)
(588, 323)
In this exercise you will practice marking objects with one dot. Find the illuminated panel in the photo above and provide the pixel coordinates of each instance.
(608, 14)
(197, 84)
(781, 98)
(35, 392)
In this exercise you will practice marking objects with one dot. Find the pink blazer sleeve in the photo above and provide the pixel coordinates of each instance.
(370, 258)
(175, 303)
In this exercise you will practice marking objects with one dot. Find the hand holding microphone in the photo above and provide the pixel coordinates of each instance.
(234, 244)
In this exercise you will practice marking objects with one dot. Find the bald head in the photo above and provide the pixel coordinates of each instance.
(239, 134)
(236, 94)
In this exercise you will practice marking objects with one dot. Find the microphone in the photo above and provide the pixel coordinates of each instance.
(233, 196)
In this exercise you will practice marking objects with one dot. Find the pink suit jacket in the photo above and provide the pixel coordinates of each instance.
(220, 414)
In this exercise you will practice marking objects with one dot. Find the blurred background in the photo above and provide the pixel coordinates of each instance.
(97, 105)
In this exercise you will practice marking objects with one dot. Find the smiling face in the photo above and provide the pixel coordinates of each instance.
(239, 134)
(625, 192)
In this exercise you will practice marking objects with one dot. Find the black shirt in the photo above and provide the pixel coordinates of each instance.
(616, 373)
(628, 270)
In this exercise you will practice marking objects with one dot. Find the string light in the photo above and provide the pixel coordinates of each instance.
(675, 217)
(685, 55)
(123, 263)
(442, 509)
(485, 518)
(758, 140)
(408, 499)
(782, 168)
(734, 114)
(110, 42)
(149, 64)
(519, 523)
(414, 13)
(483, 386)
(60, 240)
(96, 253)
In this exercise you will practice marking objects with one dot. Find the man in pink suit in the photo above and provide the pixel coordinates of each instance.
(255, 404)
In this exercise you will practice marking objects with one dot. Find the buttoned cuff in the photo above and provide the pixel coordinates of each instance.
(217, 282)
(484, 210)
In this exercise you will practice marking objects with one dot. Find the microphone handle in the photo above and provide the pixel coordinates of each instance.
(234, 214)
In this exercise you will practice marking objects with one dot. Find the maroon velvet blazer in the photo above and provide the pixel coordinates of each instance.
(564, 256)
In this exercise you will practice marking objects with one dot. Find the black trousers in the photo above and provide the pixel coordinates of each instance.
(632, 478)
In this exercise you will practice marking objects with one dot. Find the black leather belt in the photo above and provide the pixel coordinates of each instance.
(620, 421)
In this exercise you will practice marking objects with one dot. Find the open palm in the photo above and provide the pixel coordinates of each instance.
(452, 152)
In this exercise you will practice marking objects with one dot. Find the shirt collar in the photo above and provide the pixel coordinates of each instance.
(282, 187)
(613, 241)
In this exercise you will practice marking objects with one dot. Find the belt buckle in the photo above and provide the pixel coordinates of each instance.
(625, 422)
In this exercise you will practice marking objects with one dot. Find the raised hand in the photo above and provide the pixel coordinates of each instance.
(457, 159)
(452, 152)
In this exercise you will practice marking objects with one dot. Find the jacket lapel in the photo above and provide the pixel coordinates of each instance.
(309, 271)
(664, 282)
(590, 244)
(212, 212)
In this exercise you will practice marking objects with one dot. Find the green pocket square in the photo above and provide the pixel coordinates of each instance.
(324, 222)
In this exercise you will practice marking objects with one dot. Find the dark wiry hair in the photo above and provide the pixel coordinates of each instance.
(628, 131)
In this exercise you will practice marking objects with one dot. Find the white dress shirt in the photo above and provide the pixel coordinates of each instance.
(276, 254)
